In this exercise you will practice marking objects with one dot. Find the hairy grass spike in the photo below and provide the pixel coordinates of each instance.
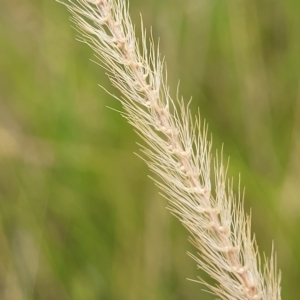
(178, 151)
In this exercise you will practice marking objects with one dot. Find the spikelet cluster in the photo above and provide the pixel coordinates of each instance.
(178, 150)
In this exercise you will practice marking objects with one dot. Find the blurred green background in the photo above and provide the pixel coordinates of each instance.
(79, 218)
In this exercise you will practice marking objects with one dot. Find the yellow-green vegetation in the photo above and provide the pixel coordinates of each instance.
(79, 217)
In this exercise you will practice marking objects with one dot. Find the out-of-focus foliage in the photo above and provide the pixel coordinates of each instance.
(79, 219)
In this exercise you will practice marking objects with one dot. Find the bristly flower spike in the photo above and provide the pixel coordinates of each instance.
(177, 149)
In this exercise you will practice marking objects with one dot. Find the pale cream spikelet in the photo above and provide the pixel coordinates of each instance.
(177, 149)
